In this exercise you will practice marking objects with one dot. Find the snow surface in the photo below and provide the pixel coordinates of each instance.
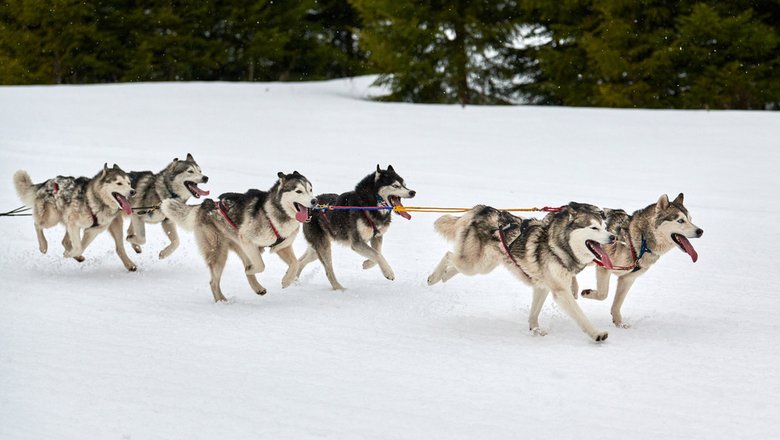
(90, 351)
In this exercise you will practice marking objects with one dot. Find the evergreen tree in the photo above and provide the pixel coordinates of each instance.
(441, 51)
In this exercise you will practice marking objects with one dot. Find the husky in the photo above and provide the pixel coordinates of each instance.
(544, 253)
(179, 180)
(383, 189)
(92, 204)
(644, 237)
(246, 223)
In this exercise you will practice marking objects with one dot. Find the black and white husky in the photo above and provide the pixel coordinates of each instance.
(382, 188)
(246, 223)
(179, 180)
(543, 253)
(643, 237)
(79, 203)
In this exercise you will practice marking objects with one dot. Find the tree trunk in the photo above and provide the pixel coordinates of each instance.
(460, 56)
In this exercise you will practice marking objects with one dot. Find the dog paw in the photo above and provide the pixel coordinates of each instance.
(79, 258)
(389, 275)
(339, 288)
(536, 331)
(43, 248)
(132, 268)
(165, 253)
(288, 280)
(262, 291)
(368, 264)
(599, 336)
(593, 294)
(621, 324)
(136, 248)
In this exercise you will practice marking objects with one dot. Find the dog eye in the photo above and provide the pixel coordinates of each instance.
(396, 186)
(190, 171)
(299, 192)
(681, 221)
(594, 228)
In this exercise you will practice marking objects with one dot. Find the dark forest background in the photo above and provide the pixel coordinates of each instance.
(611, 53)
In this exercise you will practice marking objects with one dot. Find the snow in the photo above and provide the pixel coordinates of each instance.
(92, 351)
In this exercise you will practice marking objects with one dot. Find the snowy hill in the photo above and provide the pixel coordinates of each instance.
(91, 351)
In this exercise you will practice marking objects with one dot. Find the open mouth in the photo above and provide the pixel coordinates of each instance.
(396, 201)
(601, 256)
(124, 205)
(193, 188)
(685, 246)
(302, 213)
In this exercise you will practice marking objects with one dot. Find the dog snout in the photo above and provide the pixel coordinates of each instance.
(132, 192)
(205, 179)
(612, 238)
(699, 232)
(412, 193)
(314, 202)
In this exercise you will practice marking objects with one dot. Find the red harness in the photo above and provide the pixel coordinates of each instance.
(509, 254)
(223, 210)
(634, 267)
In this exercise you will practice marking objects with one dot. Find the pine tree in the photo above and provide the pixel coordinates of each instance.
(441, 51)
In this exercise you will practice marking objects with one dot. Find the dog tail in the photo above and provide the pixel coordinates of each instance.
(182, 214)
(446, 226)
(25, 187)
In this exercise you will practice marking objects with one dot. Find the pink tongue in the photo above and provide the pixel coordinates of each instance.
(123, 203)
(687, 247)
(302, 215)
(197, 190)
(603, 257)
(404, 214)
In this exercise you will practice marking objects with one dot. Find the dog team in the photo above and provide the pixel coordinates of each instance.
(544, 253)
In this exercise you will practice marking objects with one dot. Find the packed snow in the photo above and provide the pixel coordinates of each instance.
(91, 351)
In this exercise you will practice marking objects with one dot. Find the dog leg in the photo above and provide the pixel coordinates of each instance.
(367, 251)
(575, 287)
(288, 256)
(253, 283)
(323, 253)
(115, 229)
(376, 243)
(565, 301)
(74, 237)
(255, 256)
(89, 236)
(602, 286)
(43, 245)
(540, 295)
(138, 237)
(624, 284)
(216, 261)
(309, 256)
(170, 230)
(441, 268)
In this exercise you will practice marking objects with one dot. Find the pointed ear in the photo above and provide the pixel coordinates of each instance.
(280, 175)
(190, 158)
(296, 173)
(376, 174)
(116, 167)
(390, 168)
(105, 170)
(679, 199)
(175, 159)
(663, 202)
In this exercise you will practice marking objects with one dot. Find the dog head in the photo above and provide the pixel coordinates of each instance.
(391, 187)
(295, 195)
(113, 188)
(587, 232)
(673, 225)
(184, 177)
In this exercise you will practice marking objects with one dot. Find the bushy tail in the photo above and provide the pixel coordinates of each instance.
(25, 187)
(182, 214)
(446, 226)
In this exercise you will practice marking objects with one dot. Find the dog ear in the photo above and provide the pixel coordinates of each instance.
(663, 202)
(105, 170)
(376, 174)
(116, 167)
(190, 158)
(175, 159)
(679, 199)
(296, 173)
(280, 175)
(390, 168)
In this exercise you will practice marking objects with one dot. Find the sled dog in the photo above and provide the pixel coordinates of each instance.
(179, 180)
(643, 237)
(382, 188)
(246, 224)
(544, 253)
(92, 204)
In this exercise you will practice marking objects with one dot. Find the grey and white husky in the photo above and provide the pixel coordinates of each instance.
(643, 237)
(246, 223)
(179, 180)
(543, 253)
(92, 204)
(382, 188)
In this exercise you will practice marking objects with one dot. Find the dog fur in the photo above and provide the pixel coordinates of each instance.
(179, 180)
(92, 204)
(543, 253)
(256, 214)
(356, 228)
(663, 225)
